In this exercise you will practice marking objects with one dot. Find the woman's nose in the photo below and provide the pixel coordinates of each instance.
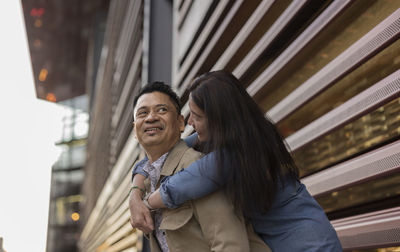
(190, 120)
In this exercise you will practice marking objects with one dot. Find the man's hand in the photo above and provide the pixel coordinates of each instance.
(140, 214)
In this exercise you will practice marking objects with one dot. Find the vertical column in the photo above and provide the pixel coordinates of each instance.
(157, 41)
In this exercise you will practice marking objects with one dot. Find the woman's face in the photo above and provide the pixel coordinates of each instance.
(198, 120)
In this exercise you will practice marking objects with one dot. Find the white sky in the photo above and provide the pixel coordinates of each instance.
(28, 129)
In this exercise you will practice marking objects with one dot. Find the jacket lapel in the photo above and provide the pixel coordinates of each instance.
(173, 158)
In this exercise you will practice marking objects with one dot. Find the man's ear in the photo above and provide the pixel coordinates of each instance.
(181, 121)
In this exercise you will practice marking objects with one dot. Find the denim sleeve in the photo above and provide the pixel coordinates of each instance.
(138, 168)
(197, 180)
(190, 140)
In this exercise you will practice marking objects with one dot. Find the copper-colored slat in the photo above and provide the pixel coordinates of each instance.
(368, 166)
(242, 35)
(373, 97)
(372, 230)
(374, 41)
(268, 37)
(201, 40)
(208, 50)
(305, 37)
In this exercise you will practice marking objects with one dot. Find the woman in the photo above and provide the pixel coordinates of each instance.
(247, 158)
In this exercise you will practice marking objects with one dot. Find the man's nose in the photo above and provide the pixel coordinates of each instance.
(151, 116)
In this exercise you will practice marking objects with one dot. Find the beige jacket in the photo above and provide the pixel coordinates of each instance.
(206, 224)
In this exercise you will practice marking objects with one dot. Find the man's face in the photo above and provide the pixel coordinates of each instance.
(157, 123)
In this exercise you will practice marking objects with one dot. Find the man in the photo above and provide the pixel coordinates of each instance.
(207, 224)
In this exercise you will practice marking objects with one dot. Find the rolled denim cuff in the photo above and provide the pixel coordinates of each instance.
(138, 169)
(165, 197)
(141, 173)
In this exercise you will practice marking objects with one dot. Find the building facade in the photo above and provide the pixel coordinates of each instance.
(326, 72)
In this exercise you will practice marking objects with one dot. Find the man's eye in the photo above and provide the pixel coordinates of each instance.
(162, 109)
(141, 113)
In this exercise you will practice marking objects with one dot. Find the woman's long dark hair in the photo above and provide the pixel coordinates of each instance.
(244, 140)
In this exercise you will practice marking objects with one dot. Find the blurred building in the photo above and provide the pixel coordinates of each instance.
(67, 178)
(1, 245)
(326, 72)
(59, 35)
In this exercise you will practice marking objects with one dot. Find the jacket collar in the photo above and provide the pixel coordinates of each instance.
(173, 158)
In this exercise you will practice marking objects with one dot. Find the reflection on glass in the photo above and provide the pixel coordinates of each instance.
(379, 126)
(356, 21)
(361, 194)
(371, 72)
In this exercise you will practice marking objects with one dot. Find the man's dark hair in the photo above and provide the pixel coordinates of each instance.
(161, 87)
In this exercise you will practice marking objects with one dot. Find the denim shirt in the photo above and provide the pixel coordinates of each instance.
(295, 221)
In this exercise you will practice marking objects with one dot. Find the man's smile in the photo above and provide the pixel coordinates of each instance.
(153, 130)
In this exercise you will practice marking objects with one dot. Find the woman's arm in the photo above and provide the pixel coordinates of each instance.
(191, 140)
(138, 168)
(197, 180)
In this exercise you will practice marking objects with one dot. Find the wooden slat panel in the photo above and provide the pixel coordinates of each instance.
(130, 83)
(119, 234)
(243, 34)
(127, 44)
(128, 241)
(368, 166)
(374, 41)
(303, 39)
(119, 168)
(268, 37)
(210, 46)
(205, 33)
(376, 229)
(361, 104)
(183, 12)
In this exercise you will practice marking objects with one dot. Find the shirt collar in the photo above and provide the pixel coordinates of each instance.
(156, 164)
